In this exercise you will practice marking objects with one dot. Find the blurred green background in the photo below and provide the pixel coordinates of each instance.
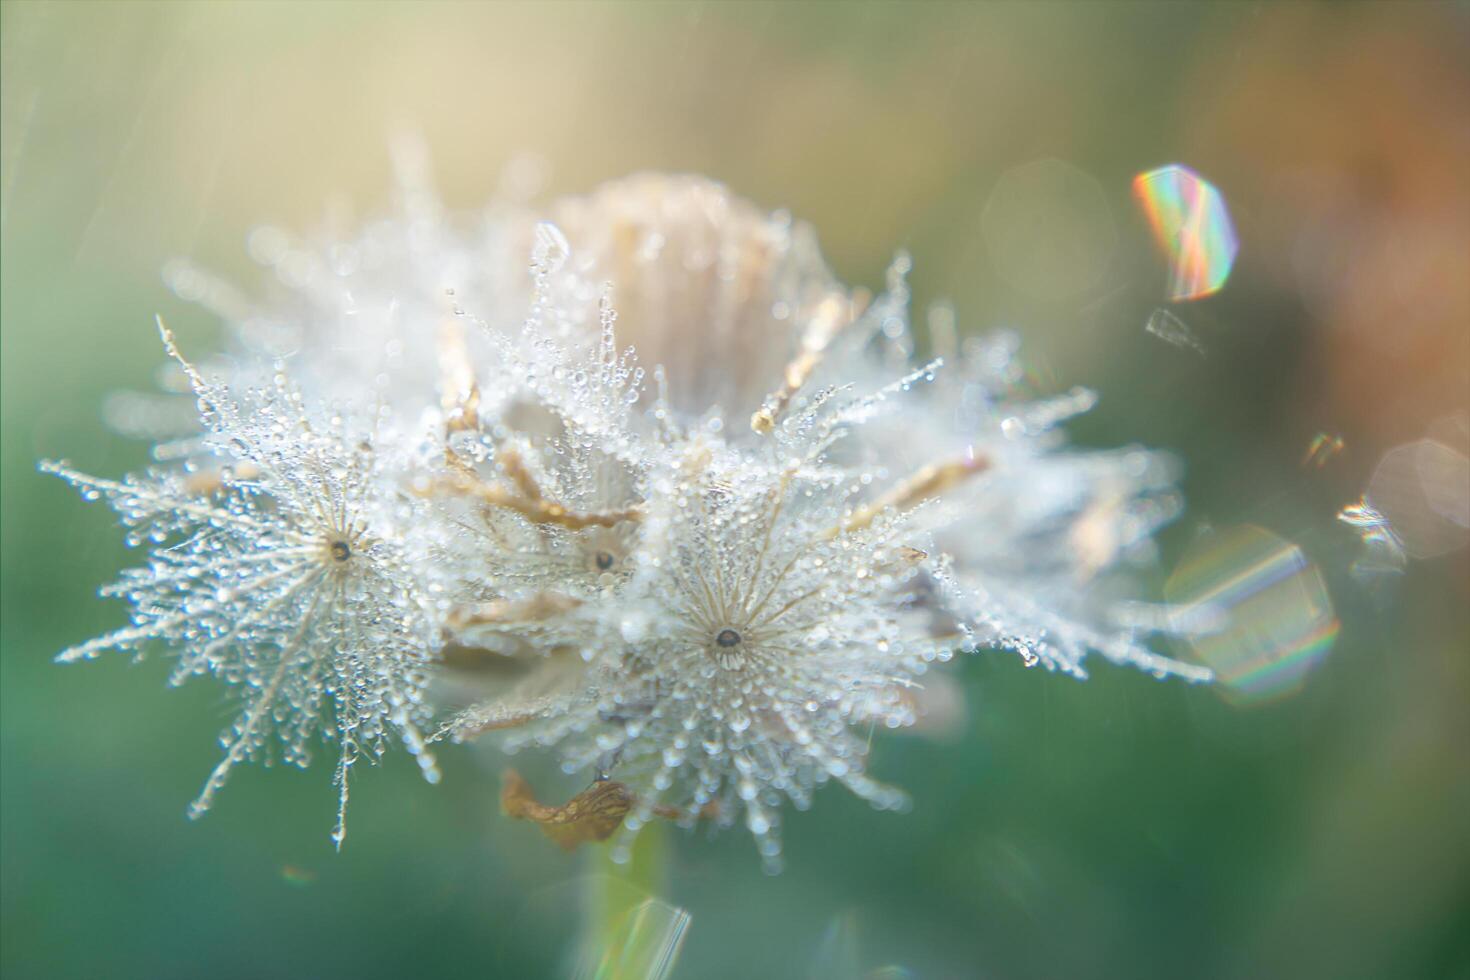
(1118, 828)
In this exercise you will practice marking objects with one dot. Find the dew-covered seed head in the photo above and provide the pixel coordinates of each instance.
(714, 615)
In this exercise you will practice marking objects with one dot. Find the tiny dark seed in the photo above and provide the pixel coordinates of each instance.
(603, 560)
(340, 551)
(727, 638)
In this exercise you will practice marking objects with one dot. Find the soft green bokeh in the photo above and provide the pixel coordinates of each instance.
(1118, 828)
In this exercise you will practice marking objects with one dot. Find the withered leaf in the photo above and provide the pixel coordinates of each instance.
(591, 815)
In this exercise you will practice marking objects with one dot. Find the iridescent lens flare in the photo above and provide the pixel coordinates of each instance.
(1383, 553)
(643, 946)
(1254, 609)
(1190, 223)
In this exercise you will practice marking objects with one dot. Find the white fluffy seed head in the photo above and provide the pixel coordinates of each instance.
(699, 530)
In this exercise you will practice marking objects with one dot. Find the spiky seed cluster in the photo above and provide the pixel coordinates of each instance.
(280, 571)
(709, 582)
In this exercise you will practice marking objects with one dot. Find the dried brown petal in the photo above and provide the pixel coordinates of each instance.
(930, 481)
(537, 511)
(591, 815)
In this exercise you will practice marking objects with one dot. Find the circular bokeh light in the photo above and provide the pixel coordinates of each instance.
(1048, 229)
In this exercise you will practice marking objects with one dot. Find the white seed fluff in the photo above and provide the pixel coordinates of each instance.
(707, 564)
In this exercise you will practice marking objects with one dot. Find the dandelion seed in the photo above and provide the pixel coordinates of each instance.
(287, 585)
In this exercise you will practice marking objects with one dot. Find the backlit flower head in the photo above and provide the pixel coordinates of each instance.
(695, 516)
